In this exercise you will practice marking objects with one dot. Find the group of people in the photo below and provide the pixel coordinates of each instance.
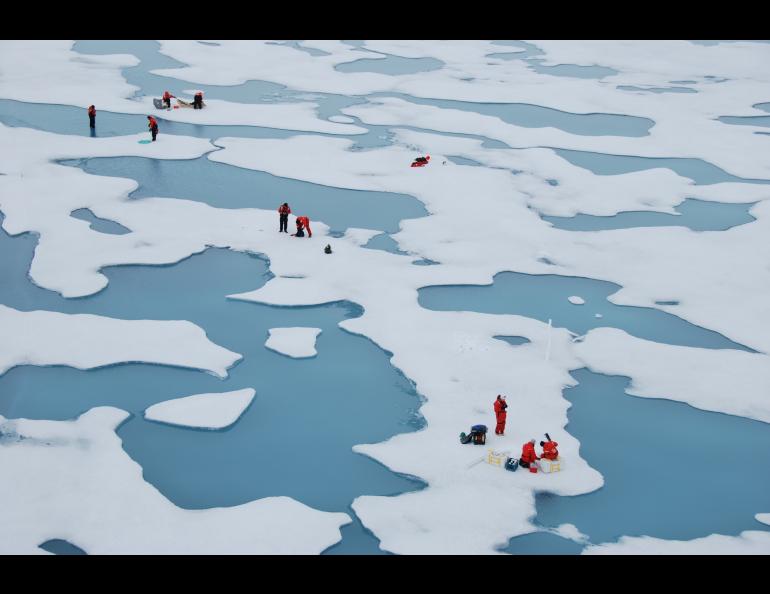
(303, 223)
(152, 123)
(528, 453)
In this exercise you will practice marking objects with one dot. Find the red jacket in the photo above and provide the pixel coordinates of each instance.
(549, 450)
(500, 406)
(167, 95)
(304, 221)
(92, 111)
(528, 453)
(153, 123)
(284, 209)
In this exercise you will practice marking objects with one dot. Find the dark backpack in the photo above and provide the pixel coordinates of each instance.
(511, 464)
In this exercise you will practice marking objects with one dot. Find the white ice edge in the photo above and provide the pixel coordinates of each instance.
(217, 410)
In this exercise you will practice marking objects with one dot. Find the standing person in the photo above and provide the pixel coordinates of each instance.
(198, 100)
(528, 455)
(92, 116)
(501, 414)
(306, 224)
(167, 99)
(153, 126)
(283, 217)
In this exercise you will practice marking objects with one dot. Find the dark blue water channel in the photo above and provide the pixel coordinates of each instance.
(698, 170)
(671, 471)
(536, 116)
(544, 297)
(698, 215)
(296, 437)
(227, 186)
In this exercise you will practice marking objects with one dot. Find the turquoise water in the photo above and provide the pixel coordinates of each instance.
(535, 116)
(572, 70)
(513, 340)
(99, 224)
(698, 215)
(58, 546)
(746, 120)
(657, 89)
(386, 243)
(701, 172)
(226, 186)
(544, 297)
(391, 65)
(671, 471)
(296, 437)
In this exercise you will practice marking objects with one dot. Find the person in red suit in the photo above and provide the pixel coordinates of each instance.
(167, 99)
(153, 126)
(549, 450)
(501, 414)
(528, 454)
(305, 222)
(283, 215)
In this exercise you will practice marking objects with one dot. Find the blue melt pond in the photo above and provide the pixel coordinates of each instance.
(671, 474)
(226, 186)
(295, 439)
(544, 297)
(698, 215)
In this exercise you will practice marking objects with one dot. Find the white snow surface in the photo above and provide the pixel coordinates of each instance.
(576, 300)
(294, 342)
(72, 480)
(86, 341)
(206, 411)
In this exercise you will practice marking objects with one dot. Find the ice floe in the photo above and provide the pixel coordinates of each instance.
(576, 300)
(733, 382)
(205, 411)
(86, 341)
(293, 342)
(73, 480)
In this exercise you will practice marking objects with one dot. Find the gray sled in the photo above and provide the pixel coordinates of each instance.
(158, 103)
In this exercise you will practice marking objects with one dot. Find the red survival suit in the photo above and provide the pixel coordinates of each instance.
(501, 414)
(421, 161)
(284, 210)
(167, 98)
(306, 224)
(528, 454)
(549, 450)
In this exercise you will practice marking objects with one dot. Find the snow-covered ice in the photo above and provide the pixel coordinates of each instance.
(205, 411)
(576, 300)
(293, 342)
(86, 341)
(73, 480)
(720, 279)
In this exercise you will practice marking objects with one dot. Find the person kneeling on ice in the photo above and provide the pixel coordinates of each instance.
(306, 224)
(500, 414)
(549, 449)
(153, 126)
(198, 100)
(167, 99)
(528, 455)
(421, 161)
